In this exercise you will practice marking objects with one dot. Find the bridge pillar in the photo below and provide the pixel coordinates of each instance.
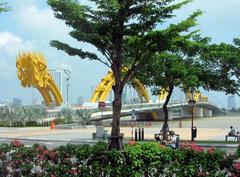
(170, 115)
(207, 112)
(199, 112)
(185, 112)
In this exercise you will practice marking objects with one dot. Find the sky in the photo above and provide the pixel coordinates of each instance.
(31, 25)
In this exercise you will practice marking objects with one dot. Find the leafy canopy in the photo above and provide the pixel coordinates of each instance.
(220, 63)
(109, 25)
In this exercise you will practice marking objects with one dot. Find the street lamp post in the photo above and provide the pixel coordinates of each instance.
(191, 103)
(133, 118)
(68, 74)
(67, 79)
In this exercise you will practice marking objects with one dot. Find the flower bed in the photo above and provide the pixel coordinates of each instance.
(149, 159)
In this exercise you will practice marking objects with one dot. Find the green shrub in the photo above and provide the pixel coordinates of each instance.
(238, 151)
(137, 160)
(32, 123)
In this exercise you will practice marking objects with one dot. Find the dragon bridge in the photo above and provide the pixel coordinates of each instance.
(104, 88)
(32, 71)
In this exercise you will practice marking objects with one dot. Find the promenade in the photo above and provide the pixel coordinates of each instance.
(86, 133)
(208, 129)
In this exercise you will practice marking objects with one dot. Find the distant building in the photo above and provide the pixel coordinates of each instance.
(231, 102)
(57, 76)
(17, 102)
(80, 101)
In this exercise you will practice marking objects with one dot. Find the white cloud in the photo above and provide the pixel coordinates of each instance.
(10, 46)
(41, 22)
(8, 38)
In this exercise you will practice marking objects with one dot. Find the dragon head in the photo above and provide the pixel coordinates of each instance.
(32, 69)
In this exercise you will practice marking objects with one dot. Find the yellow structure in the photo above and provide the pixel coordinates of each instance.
(197, 96)
(32, 71)
(163, 94)
(104, 88)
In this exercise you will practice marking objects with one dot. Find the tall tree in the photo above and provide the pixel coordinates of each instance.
(176, 67)
(117, 29)
(193, 64)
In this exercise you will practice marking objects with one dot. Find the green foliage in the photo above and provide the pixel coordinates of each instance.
(32, 124)
(84, 116)
(238, 152)
(22, 113)
(67, 114)
(221, 62)
(125, 32)
(148, 159)
(109, 22)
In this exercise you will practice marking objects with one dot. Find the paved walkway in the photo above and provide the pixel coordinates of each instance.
(46, 133)
(56, 137)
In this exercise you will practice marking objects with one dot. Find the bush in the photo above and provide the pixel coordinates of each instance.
(136, 160)
(32, 123)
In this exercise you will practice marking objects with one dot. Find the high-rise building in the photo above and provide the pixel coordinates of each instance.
(80, 101)
(57, 76)
(231, 102)
(17, 102)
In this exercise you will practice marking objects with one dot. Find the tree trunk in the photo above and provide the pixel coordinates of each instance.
(115, 138)
(165, 128)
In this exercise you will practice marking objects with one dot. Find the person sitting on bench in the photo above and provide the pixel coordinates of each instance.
(175, 140)
(233, 131)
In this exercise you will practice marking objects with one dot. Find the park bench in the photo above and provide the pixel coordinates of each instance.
(236, 137)
(159, 136)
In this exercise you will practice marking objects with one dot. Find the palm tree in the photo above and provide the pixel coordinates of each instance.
(67, 114)
(83, 116)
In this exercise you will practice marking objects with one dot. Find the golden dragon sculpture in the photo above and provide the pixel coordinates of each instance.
(32, 71)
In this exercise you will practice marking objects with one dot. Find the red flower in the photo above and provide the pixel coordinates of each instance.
(191, 146)
(132, 143)
(201, 174)
(2, 154)
(211, 150)
(52, 155)
(16, 143)
(45, 152)
(237, 166)
(197, 148)
(73, 172)
(40, 148)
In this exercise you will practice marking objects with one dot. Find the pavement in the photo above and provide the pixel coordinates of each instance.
(45, 133)
(55, 137)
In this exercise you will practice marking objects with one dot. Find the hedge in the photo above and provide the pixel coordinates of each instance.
(136, 160)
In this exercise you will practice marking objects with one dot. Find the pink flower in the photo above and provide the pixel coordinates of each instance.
(16, 143)
(45, 152)
(237, 166)
(40, 148)
(73, 171)
(191, 146)
(2, 154)
(201, 174)
(211, 150)
(197, 148)
(132, 143)
(52, 155)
